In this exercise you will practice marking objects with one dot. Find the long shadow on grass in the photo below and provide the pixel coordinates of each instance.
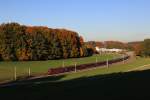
(31, 82)
(129, 85)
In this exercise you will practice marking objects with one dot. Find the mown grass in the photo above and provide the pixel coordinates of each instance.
(40, 67)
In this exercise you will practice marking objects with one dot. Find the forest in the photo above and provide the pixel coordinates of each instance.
(25, 43)
(32, 43)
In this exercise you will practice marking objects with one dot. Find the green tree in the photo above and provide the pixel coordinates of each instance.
(146, 47)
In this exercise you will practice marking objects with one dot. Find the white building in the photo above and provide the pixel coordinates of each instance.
(101, 50)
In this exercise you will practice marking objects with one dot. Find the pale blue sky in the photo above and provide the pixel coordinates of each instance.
(124, 20)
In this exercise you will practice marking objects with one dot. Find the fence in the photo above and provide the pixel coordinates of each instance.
(60, 70)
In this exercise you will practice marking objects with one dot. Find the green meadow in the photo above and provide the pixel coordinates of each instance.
(115, 82)
(41, 67)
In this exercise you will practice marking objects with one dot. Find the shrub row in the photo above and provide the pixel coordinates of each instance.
(59, 70)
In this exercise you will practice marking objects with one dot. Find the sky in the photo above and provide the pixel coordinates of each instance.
(99, 20)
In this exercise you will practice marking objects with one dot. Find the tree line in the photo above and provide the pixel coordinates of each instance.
(107, 44)
(141, 48)
(23, 43)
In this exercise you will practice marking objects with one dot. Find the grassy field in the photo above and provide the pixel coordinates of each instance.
(38, 67)
(112, 69)
(116, 83)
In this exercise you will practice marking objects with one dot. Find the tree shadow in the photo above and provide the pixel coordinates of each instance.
(32, 81)
(123, 85)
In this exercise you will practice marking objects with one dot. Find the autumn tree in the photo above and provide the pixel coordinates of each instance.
(146, 47)
(20, 42)
(115, 44)
(8, 40)
(138, 49)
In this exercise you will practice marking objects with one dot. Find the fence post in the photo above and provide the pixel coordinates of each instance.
(63, 64)
(29, 72)
(107, 63)
(123, 59)
(75, 65)
(96, 60)
(15, 74)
